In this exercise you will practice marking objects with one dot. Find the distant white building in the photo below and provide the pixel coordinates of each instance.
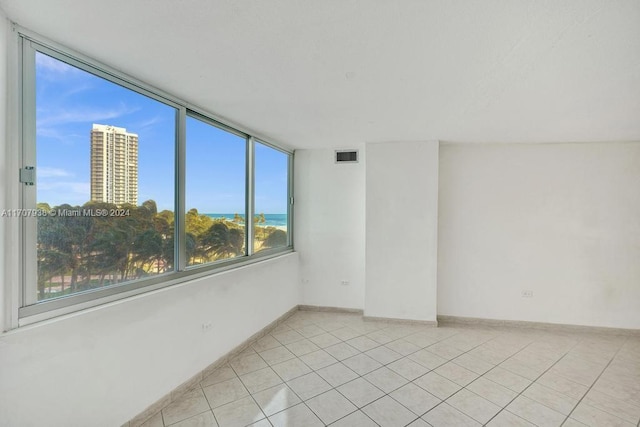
(114, 165)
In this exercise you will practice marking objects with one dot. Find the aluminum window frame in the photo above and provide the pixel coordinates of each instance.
(28, 43)
(248, 179)
(290, 200)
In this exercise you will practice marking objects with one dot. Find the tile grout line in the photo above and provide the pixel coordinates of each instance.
(594, 383)
(296, 357)
(220, 362)
(452, 360)
(250, 346)
(296, 317)
(338, 361)
(270, 333)
(394, 338)
(386, 366)
(245, 387)
(407, 356)
(535, 380)
(251, 394)
(605, 392)
(465, 387)
(358, 409)
(409, 381)
(488, 379)
(431, 370)
(209, 403)
(302, 401)
(358, 375)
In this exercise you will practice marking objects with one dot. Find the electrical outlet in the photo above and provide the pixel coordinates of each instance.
(345, 282)
(527, 293)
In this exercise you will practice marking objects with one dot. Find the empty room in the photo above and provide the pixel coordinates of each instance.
(344, 213)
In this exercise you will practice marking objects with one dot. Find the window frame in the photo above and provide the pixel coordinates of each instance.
(249, 176)
(28, 44)
(289, 197)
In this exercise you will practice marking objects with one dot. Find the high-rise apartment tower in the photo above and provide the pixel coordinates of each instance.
(114, 165)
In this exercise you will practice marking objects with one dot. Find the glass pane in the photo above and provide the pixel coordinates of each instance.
(215, 193)
(271, 198)
(105, 181)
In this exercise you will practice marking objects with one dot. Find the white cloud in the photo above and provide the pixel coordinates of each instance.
(66, 186)
(148, 123)
(47, 63)
(59, 192)
(80, 115)
(63, 137)
(49, 172)
(75, 90)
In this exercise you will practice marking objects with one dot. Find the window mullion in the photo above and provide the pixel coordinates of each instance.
(28, 192)
(290, 201)
(180, 222)
(250, 194)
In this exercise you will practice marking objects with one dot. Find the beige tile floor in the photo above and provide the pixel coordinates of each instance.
(320, 369)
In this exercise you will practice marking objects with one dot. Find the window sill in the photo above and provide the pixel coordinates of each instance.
(45, 312)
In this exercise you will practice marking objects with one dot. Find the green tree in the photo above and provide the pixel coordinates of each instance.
(151, 206)
(276, 239)
(197, 224)
(148, 248)
(114, 249)
(236, 240)
(111, 252)
(221, 242)
(65, 240)
(163, 225)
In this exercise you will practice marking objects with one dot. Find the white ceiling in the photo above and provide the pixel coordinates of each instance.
(331, 73)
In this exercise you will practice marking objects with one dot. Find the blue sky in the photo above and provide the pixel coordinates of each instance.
(69, 101)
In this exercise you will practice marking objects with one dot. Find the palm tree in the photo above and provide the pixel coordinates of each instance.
(221, 242)
(63, 239)
(148, 248)
(51, 263)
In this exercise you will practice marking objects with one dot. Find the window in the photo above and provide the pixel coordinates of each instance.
(215, 193)
(132, 189)
(271, 198)
(104, 188)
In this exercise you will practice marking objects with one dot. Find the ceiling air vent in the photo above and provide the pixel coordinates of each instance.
(346, 156)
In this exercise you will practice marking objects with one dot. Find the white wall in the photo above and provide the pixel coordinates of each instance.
(402, 222)
(102, 367)
(330, 228)
(561, 220)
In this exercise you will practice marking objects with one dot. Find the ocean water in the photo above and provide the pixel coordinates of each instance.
(273, 220)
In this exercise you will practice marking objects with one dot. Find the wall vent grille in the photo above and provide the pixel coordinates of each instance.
(346, 156)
